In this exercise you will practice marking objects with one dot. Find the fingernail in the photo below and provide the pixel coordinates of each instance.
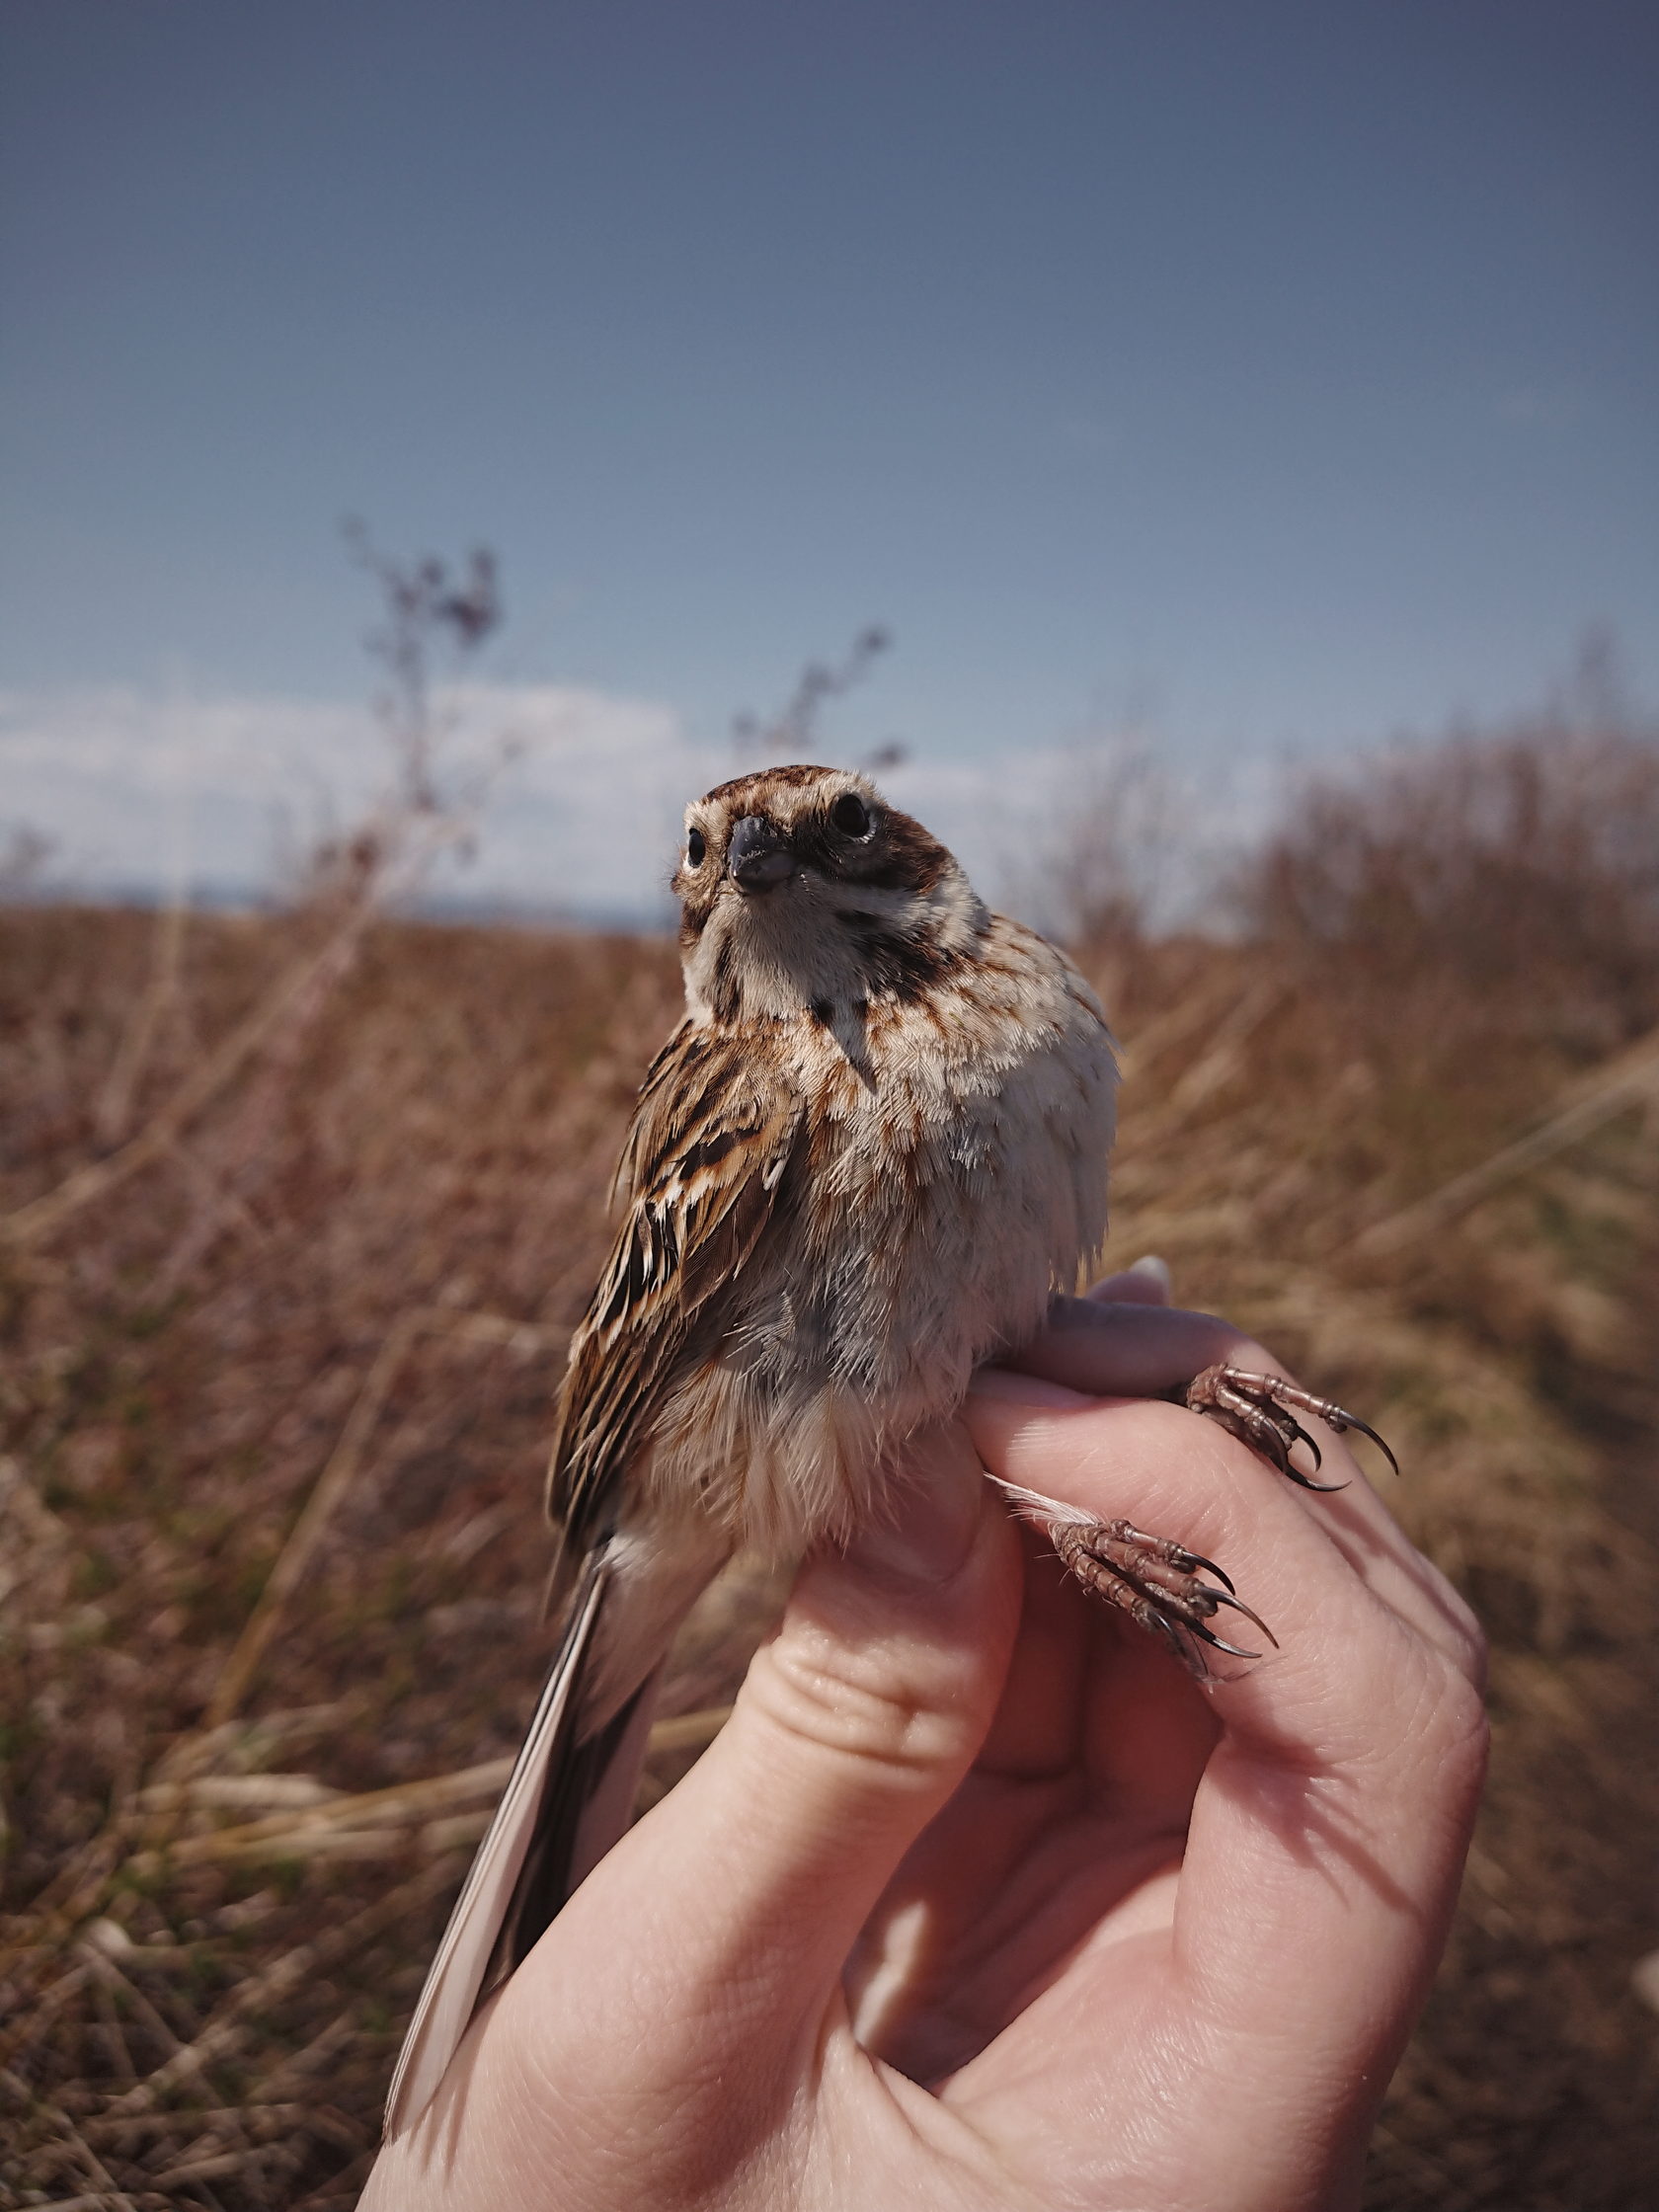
(924, 1527)
(1025, 1389)
(1148, 1264)
(1145, 1283)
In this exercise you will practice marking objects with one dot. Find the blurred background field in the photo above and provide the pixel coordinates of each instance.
(299, 1207)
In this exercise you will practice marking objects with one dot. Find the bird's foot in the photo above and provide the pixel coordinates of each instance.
(1161, 1584)
(1261, 1411)
(1158, 1582)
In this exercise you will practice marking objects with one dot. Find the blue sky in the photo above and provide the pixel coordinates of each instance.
(1272, 375)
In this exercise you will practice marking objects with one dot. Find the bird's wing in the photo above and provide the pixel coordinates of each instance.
(712, 1135)
(710, 1141)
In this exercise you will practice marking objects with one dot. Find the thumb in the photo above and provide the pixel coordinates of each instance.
(723, 1918)
(863, 1714)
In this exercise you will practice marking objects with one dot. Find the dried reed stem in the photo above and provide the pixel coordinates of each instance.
(227, 2029)
(1636, 1077)
(30, 1223)
(401, 1805)
(114, 1100)
(336, 1481)
(375, 1822)
(307, 1531)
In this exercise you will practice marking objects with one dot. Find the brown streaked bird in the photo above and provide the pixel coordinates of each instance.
(869, 1158)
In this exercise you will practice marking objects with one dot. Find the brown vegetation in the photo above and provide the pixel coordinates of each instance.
(302, 1209)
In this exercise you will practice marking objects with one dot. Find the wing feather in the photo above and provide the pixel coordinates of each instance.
(711, 1138)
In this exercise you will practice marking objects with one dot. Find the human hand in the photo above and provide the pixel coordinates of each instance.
(979, 1899)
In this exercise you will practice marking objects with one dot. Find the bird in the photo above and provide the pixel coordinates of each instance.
(869, 1158)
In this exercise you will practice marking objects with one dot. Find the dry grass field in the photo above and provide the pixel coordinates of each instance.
(298, 1213)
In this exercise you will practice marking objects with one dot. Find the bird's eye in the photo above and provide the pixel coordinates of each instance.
(851, 816)
(696, 845)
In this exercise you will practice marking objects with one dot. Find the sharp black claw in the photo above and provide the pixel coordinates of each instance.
(1349, 1421)
(1210, 1568)
(1303, 1437)
(1223, 1598)
(1205, 1635)
(1175, 1643)
(1253, 1408)
(1271, 1445)
(1307, 1482)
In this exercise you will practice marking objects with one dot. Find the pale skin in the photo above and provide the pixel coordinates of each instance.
(979, 1900)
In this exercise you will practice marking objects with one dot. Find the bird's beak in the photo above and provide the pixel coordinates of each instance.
(757, 855)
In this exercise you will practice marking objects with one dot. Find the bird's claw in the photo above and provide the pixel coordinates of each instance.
(1157, 1583)
(1261, 1411)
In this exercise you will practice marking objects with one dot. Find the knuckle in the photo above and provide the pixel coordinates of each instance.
(1473, 1650)
(1461, 1724)
(1441, 1729)
(1457, 1629)
(877, 1707)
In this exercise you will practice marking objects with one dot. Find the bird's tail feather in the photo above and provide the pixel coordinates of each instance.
(570, 1795)
(536, 1849)
(586, 1806)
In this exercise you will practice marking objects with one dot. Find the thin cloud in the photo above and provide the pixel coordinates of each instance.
(583, 793)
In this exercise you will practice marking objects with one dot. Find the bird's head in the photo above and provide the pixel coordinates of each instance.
(800, 889)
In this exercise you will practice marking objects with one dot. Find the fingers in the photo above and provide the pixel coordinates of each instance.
(1332, 1817)
(698, 1961)
(1133, 1349)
